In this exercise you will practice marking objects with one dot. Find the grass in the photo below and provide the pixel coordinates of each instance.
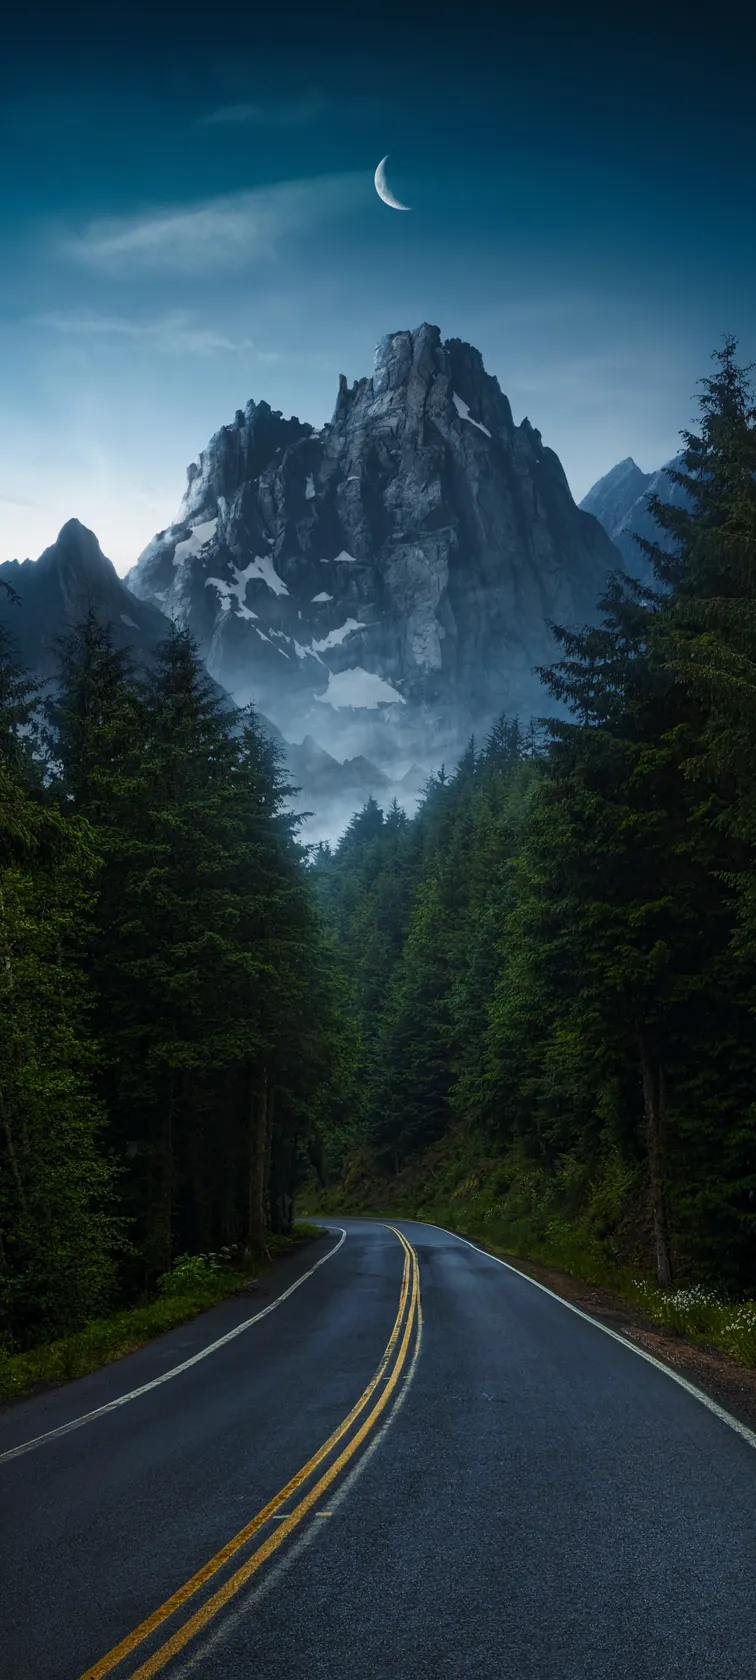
(703, 1316)
(194, 1284)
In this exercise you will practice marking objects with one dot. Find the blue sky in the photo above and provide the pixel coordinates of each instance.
(190, 220)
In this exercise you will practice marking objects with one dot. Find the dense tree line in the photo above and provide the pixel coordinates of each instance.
(556, 955)
(559, 951)
(170, 1025)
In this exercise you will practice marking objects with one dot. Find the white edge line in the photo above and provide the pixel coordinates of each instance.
(698, 1394)
(112, 1405)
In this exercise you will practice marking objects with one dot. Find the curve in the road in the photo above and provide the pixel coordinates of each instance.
(698, 1393)
(524, 1503)
(166, 1376)
(388, 1374)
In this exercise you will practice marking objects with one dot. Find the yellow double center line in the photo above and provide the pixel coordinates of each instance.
(387, 1376)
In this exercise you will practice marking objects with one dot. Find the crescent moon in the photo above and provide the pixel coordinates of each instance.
(383, 189)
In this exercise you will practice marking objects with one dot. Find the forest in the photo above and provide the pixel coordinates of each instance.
(546, 978)
(553, 966)
(171, 1026)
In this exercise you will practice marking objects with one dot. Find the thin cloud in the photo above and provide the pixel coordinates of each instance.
(220, 233)
(176, 331)
(289, 113)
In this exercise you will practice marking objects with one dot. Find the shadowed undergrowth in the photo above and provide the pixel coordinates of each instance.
(194, 1283)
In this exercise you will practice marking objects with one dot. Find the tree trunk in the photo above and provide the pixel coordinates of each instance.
(17, 1179)
(654, 1102)
(232, 1201)
(15, 1172)
(160, 1187)
(193, 1211)
(257, 1160)
(282, 1175)
(268, 1155)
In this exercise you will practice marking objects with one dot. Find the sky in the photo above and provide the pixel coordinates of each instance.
(189, 220)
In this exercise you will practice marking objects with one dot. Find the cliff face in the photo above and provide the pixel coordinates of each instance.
(383, 584)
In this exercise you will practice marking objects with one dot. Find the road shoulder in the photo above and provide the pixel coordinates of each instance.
(31, 1415)
(723, 1379)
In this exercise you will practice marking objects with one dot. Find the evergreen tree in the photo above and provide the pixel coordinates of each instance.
(57, 1233)
(207, 957)
(710, 622)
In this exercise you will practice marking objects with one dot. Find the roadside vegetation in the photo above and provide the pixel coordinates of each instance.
(171, 1028)
(194, 1283)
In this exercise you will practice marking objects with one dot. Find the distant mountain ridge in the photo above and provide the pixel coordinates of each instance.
(381, 588)
(53, 593)
(619, 501)
(56, 590)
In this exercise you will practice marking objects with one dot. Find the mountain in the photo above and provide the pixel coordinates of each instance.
(620, 501)
(73, 574)
(381, 585)
(613, 496)
(57, 589)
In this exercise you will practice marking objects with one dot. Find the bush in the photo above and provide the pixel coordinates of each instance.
(190, 1272)
(702, 1315)
(194, 1283)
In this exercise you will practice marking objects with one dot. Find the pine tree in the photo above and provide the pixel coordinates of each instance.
(710, 619)
(57, 1232)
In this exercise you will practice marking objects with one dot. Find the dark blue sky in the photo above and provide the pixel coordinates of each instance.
(190, 220)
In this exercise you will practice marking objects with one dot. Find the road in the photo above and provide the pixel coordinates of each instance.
(415, 1464)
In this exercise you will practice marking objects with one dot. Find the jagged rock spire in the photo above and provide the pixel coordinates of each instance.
(382, 584)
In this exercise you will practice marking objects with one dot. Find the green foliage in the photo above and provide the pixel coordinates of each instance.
(187, 1271)
(57, 1230)
(219, 1010)
(103, 1340)
(172, 1020)
(703, 1316)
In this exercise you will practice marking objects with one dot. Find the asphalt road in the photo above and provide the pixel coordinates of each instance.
(418, 1464)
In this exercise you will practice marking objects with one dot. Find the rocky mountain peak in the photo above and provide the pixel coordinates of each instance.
(620, 501)
(382, 585)
(415, 374)
(55, 591)
(76, 551)
(618, 488)
(236, 454)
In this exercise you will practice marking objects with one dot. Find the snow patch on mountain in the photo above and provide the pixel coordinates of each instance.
(262, 567)
(358, 688)
(336, 637)
(464, 414)
(201, 534)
